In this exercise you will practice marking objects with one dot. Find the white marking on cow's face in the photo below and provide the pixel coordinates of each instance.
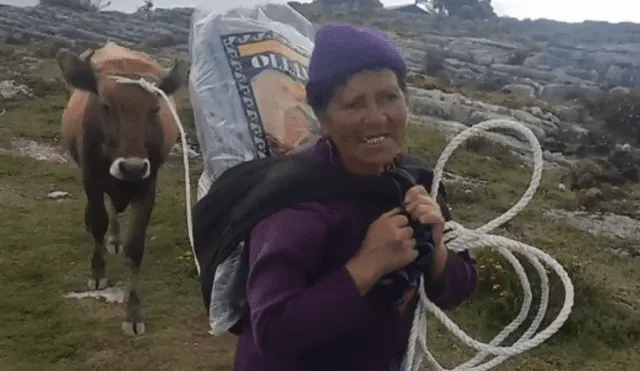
(130, 168)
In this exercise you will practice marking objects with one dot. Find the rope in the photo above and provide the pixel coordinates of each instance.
(465, 239)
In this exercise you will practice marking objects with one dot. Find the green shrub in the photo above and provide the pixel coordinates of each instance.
(621, 113)
(596, 313)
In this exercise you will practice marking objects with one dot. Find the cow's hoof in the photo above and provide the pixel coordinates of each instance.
(133, 328)
(113, 245)
(99, 284)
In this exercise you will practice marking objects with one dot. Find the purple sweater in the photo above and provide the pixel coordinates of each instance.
(306, 313)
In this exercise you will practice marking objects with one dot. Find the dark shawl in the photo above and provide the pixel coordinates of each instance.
(247, 193)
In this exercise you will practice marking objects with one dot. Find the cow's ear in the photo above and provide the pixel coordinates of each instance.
(77, 72)
(172, 79)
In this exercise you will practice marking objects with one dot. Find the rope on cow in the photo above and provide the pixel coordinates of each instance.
(152, 88)
(466, 239)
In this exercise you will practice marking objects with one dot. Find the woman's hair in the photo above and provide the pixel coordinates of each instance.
(320, 102)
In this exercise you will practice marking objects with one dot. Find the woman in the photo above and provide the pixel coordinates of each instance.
(313, 266)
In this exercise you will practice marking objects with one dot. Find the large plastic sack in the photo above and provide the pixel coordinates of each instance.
(249, 64)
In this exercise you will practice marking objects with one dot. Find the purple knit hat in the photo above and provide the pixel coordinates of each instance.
(342, 50)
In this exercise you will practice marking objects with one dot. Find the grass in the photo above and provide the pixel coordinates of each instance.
(45, 253)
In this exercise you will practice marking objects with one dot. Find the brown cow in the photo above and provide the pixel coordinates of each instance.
(119, 135)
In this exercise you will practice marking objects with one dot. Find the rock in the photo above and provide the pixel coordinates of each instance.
(569, 92)
(192, 150)
(454, 106)
(520, 90)
(423, 81)
(37, 151)
(453, 112)
(567, 113)
(58, 195)
(520, 149)
(10, 91)
(537, 111)
(608, 224)
(614, 74)
(619, 91)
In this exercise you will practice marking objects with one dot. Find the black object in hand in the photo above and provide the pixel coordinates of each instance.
(395, 284)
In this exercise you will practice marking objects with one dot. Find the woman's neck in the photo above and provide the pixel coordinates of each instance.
(359, 168)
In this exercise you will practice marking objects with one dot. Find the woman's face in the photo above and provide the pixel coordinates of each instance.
(366, 120)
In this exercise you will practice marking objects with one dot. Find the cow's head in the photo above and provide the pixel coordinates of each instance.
(128, 114)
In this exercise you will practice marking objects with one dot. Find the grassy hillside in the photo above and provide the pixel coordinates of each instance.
(45, 254)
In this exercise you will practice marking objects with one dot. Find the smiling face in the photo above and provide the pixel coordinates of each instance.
(366, 120)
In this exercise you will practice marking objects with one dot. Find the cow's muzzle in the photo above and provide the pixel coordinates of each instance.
(130, 168)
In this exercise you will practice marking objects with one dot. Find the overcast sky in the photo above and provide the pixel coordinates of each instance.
(562, 10)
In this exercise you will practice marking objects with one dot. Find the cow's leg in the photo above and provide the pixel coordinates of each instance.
(114, 242)
(96, 220)
(134, 250)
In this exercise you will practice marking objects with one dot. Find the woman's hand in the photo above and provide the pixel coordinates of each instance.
(422, 207)
(387, 246)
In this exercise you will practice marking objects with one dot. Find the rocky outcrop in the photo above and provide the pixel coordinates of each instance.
(453, 112)
(617, 227)
(548, 59)
(558, 60)
(531, 62)
(594, 158)
(9, 90)
(77, 30)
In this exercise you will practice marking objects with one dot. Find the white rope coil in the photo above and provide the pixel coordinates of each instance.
(466, 239)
